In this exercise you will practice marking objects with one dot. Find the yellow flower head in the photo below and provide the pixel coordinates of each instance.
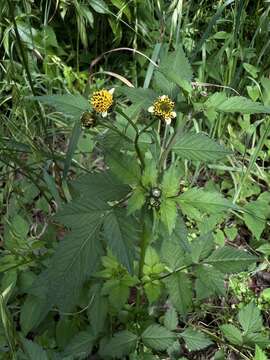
(163, 107)
(102, 100)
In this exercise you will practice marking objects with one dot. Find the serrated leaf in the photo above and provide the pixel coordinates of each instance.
(201, 247)
(172, 254)
(157, 337)
(232, 334)
(259, 354)
(168, 213)
(170, 182)
(243, 105)
(250, 318)
(80, 345)
(229, 260)
(255, 217)
(71, 105)
(171, 319)
(212, 282)
(199, 147)
(124, 167)
(33, 350)
(180, 293)
(176, 68)
(195, 340)
(123, 343)
(121, 233)
(136, 200)
(140, 98)
(97, 310)
(196, 199)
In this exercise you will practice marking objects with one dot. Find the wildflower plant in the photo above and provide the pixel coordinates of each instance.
(129, 261)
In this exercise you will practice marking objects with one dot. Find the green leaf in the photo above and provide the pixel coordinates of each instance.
(199, 147)
(180, 293)
(229, 260)
(33, 350)
(121, 233)
(71, 105)
(101, 185)
(170, 182)
(72, 145)
(197, 199)
(176, 68)
(97, 310)
(168, 213)
(232, 334)
(171, 319)
(172, 254)
(259, 354)
(255, 217)
(80, 345)
(150, 174)
(78, 255)
(250, 318)
(123, 343)
(195, 340)
(140, 98)
(209, 281)
(201, 247)
(125, 167)
(158, 337)
(136, 200)
(243, 105)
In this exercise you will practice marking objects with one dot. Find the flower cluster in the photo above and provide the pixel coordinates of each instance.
(102, 100)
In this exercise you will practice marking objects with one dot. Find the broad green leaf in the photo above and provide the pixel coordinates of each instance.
(153, 290)
(136, 200)
(229, 259)
(255, 217)
(80, 345)
(243, 105)
(170, 182)
(199, 147)
(33, 350)
(121, 344)
(171, 319)
(195, 340)
(197, 199)
(124, 167)
(250, 318)
(99, 6)
(72, 145)
(176, 68)
(180, 293)
(168, 213)
(157, 337)
(121, 233)
(172, 254)
(65, 330)
(201, 247)
(78, 255)
(259, 354)
(71, 105)
(141, 98)
(257, 339)
(232, 334)
(102, 185)
(150, 174)
(212, 282)
(97, 310)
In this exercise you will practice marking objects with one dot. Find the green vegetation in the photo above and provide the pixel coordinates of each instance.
(134, 183)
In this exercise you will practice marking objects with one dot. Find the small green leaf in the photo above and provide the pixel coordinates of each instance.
(255, 217)
(172, 254)
(168, 213)
(80, 345)
(195, 340)
(170, 182)
(201, 247)
(259, 354)
(33, 350)
(243, 105)
(250, 318)
(180, 293)
(229, 260)
(171, 319)
(136, 200)
(158, 337)
(232, 334)
(199, 147)
(121, 344)
(212, 281)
